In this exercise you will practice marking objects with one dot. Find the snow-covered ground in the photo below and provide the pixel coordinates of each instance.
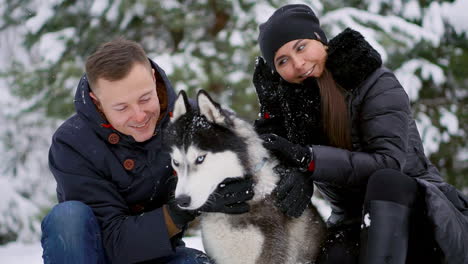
(20, 253)
(15, 253)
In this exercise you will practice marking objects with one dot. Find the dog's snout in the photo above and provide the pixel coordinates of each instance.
(183, 200)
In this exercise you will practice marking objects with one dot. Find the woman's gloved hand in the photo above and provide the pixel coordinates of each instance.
(293, 192)
(266, 83)
(230, 197)
(293, 154)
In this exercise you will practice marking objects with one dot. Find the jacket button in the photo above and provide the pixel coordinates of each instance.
(113, 138)
(129, 164)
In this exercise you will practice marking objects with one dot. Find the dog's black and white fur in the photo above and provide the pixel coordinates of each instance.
(209, 144)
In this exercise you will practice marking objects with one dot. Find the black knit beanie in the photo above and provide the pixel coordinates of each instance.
(288, 23)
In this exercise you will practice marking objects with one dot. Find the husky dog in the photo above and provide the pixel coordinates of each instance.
(210, 144)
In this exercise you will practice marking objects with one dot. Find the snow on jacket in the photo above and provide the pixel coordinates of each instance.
(123, 181)
(384, 135)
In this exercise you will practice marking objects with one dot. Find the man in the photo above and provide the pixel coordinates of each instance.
(114, 179)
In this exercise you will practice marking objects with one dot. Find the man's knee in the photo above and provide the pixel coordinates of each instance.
(188, 256)
(67, 217)
(391, 185)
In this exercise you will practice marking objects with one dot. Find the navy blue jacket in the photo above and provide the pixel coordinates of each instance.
(123, 181)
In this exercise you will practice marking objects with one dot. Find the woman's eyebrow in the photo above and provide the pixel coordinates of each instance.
(294, 47)
(297, 43)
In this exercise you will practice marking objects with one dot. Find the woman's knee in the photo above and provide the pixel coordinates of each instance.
(68, 216)
(391, 185)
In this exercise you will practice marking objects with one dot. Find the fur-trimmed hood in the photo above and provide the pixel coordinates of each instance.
(351, 59)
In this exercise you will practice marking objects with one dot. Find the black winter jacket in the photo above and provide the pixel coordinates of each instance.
(384, 135)
(123, 181)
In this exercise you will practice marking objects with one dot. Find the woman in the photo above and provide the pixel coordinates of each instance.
(332, 111)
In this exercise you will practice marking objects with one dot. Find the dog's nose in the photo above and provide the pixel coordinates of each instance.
(183, 200)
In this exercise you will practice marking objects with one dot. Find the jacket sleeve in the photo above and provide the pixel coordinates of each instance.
(383, 116)
(127, 238)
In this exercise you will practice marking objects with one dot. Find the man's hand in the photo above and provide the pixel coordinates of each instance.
(180, 217)
(293, 154)
(293, 192)
(230, 197)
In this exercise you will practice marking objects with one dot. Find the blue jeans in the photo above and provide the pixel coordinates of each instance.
(71, 234)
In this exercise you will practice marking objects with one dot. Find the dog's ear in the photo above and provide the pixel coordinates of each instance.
(181, 106)
(210, 109)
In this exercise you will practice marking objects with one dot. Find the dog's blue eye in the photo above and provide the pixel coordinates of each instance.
(200, 159)
(175, 163)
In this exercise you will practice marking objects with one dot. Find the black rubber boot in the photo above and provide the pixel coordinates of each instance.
(384, 238)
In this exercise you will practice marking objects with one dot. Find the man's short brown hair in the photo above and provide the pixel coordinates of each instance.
(113, 60)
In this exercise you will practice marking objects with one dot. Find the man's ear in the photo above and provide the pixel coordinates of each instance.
(181, 106)
(95, 100)
(210, 109)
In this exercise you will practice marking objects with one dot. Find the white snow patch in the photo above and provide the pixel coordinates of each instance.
(323, 207)
(181, 86)
(113, 12)
(412, 10)
(170, 4)
(398, 28)
(262, 12)
(194, 242)
(367, 220)
(137, 9)
(455, 14)
(375, 5)
(165, 62)
(449, 120)
(20, 253)
(207, 49)
(430, 135)
(98, 7)
(410, 82)
(406, 74)
(317, 6)
(17, 212)
(52, 45)
(44, 12)
(432, 21)
(236, 38)
(169, 62)
(235, 76)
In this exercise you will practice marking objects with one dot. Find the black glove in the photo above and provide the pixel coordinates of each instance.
(266, 83)
(293, 192)
(273, 125)
(230, 197)
(294, 154)
(180, 216)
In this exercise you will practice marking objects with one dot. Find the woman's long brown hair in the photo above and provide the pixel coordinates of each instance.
(335, 114)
